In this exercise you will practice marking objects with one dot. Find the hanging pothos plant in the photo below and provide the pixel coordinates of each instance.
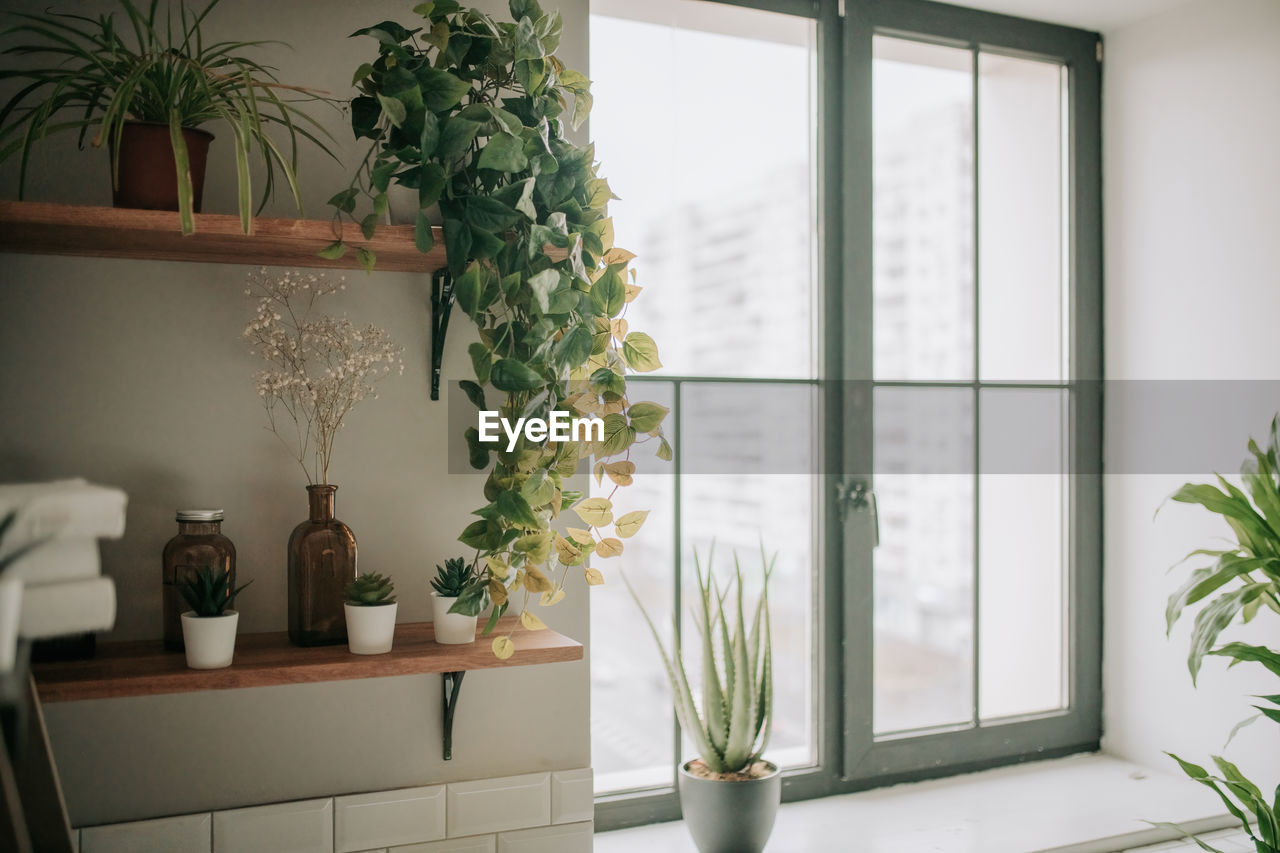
(472, 113)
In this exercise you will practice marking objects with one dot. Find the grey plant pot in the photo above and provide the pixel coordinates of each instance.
(730, 817)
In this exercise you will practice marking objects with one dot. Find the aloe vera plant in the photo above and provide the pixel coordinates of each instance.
(731, 726)
(209, 592)
(1245, 578)
(371, 590)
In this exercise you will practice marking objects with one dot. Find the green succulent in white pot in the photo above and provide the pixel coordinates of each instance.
(730, 794)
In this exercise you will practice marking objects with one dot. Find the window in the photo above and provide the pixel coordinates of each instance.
(875, 267)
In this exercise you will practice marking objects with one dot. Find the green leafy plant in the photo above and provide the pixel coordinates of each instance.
(103, 72)
(1238, 582)
(459, 579)
(731, 726)
(208, 592)
(472, 114)
(371, 590)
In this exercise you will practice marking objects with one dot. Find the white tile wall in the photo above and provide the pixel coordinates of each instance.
(183, 834)
(474, 844)
(494, 805)
(512, 814)
(388, 818)
(301, 827)
(566, 838)
(572, 796)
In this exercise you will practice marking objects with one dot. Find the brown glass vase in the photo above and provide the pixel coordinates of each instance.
(199, 543)
(322, 563)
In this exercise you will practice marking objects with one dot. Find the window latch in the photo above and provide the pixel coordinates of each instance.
(856, 495)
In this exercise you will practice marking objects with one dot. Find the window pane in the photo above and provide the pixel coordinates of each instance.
(717, 197)
(759, 491)
(923, 567)
(632, 722)
(922, 125)
(1022, 552)
(1021, 219)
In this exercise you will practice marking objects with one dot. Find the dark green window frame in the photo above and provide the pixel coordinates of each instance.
(849, 756)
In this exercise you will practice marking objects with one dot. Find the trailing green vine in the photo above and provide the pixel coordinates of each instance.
(472, 112)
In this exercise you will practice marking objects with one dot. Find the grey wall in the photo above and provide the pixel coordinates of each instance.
(134, 374)
(1192, 214)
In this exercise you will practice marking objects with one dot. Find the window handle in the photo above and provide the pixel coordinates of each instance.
(856, 495)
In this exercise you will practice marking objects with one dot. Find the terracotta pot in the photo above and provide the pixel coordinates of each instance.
(148, 179)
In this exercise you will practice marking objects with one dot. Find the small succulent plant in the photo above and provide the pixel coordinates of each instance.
(453, 578)
(208, 592)
(371, 590)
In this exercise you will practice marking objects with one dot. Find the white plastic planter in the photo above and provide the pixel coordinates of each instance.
(210, 640)
(452, 629)
(370, 628)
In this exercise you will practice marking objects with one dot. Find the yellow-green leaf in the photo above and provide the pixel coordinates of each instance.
(532, 622)
(609, 547)
(641, 353)
(536, 581)
(536, 546)
(551, 598)
(632, 291)
(629, 524)
(497, 567)
(594, 578)
(646, 416)
(620, 472)
(566, 550)
(597, 512)
(503, 648)
(577, 534)
(497, 592)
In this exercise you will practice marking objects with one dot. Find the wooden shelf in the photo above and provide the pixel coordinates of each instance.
(108, 232)
(264, 660)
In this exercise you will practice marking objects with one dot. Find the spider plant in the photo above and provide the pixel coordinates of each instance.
(83, 74)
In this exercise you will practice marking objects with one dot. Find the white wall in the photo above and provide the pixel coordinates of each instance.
(1192, 207)
(134, 374)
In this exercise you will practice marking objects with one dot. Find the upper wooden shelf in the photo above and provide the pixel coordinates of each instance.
(263, 660)
(107, 232)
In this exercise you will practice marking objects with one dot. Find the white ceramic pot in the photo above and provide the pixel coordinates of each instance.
(210, 640)
(370, 628)
(452, 629)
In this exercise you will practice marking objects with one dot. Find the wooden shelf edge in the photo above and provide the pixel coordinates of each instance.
(44, 228)
(143, 668)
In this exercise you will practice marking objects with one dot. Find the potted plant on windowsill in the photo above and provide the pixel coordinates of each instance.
(474, 114)
(209, 627)
(371, 614)
(149, 99)
(729, 796)
(1242, 580)
(459, 594)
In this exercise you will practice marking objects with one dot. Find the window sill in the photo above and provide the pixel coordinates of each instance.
(1081, 804)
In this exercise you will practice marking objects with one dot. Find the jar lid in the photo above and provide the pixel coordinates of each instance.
(199, 515)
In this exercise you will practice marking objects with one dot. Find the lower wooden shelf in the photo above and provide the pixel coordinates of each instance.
(144, 668)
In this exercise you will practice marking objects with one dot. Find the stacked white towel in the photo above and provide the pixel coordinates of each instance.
(56, 587)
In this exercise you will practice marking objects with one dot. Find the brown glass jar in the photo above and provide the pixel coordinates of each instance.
(199, 543)
(322, 564)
